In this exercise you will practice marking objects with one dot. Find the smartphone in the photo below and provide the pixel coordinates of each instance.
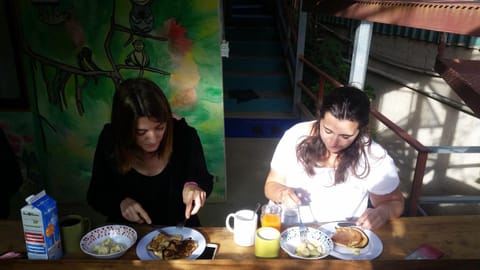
(209, 252)
(425, 252)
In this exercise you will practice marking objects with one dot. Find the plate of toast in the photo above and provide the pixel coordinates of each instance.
(353, 242)
(171, 243)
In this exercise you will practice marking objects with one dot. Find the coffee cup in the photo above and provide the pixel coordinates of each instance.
(72, 228)
(267, 242)
(244, 227)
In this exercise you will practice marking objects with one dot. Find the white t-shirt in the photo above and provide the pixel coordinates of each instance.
(333, 202)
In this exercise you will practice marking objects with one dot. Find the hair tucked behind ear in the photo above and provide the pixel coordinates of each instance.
(344, 103)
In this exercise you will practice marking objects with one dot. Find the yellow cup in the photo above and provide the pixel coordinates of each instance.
(267, 242)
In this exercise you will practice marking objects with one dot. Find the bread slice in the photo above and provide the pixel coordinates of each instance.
(351, 237)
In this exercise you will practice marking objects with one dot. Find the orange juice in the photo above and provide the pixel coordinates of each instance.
(271, 220)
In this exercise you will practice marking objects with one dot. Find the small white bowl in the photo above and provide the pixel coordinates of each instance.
(121, 234)
(290, 240)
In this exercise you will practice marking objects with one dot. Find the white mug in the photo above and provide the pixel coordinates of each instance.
(244, 227)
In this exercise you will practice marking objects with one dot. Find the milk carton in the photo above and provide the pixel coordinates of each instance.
(40, 227)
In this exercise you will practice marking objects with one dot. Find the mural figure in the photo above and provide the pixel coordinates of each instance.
(85, 61)
(141, 17)
(50, 12)
(138, 57)
(58, 83)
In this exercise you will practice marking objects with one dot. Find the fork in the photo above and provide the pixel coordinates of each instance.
(181, 224)
(302, 227)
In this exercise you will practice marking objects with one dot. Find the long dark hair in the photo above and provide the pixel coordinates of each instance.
(344, 103)
(135, 98)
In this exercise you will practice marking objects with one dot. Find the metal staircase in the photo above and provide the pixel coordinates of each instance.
(257, 87)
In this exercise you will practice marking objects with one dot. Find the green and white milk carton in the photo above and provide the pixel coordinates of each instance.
(40, 227)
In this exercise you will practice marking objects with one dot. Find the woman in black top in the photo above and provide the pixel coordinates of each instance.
(149, 166)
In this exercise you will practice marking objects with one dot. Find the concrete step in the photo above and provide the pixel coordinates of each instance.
(257, 127)
(249, 12)
(258, 105)
(255, 48)
(257, 81)
(250, 20)
(256, 33)
(254, 64)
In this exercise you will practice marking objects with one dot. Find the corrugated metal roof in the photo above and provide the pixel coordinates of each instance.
(459, 17)
(408, 32)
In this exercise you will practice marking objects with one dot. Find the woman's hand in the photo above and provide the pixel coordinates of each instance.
(289, 198)
(373, 218)
(276, 190)
(194, 198)
(134, 212)
(385, 207)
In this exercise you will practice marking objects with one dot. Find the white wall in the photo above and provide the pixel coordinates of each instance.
(401, 71)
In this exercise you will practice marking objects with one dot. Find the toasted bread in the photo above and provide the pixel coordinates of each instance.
(351, 237)
(168, 247)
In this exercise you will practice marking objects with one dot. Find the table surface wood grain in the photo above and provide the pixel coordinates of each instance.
(457, 236)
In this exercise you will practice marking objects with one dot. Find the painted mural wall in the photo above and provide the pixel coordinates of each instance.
(75, 52)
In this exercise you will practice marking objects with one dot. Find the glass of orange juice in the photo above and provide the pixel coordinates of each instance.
(271, 216)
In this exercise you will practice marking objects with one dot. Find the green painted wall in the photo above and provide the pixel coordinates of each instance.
(70, 105)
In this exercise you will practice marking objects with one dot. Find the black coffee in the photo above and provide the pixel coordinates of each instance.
(69, 222)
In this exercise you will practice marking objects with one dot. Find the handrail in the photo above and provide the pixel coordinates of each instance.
(324, 77)
(320, 72)
(399, 131)
(421, 164)
(291, 24)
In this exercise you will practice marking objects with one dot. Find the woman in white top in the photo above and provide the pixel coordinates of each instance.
(333, 165)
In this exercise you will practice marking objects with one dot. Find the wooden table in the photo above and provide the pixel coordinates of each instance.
(457, 236)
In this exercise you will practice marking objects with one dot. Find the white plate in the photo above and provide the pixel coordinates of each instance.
(373, 249)
(144, 254)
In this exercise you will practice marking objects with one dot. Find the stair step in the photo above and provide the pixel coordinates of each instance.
(258, 105)
(246, 94)
(257, 128)
(251, 20)
(256, 80)
(249, 9)
(260, 33)
(260, 115)
(253, 64)
(250, 2)
(255, 48)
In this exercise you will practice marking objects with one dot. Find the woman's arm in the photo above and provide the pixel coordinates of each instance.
(384, 190)
(197, 182)
(385, 207)
(196, 165)
(276, 190)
